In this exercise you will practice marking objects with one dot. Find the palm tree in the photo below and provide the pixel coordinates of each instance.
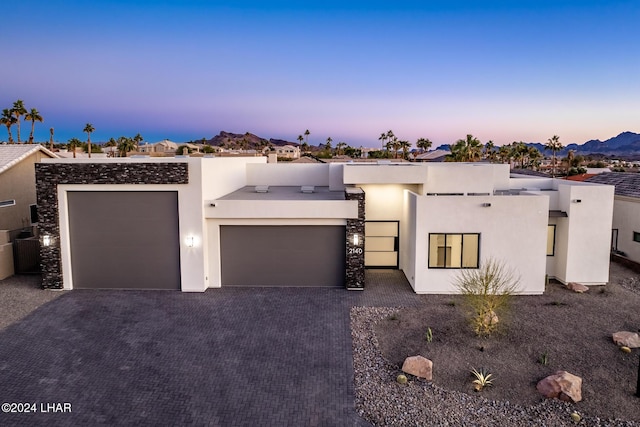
(138, 139)
(33, 116)
(88, 128)
(395, 143)
(329, 141)
(51, 139)
(306, 135)
(505, 154)
(383, 138)
(554, 145)
(125, 145)
(404, 145)
(300, 139)
(466, 150)
(111, 143)
(8, 120)
(488, 151)
(18, 111)
(390, 135)
(341, 147)
(72, 144)
(305, 147)
(423, 144)
(534, 158)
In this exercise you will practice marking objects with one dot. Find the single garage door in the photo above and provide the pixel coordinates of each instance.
(124, 239)
(282, 255)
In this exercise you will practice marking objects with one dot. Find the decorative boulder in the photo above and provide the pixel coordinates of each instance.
(627, 339)
(562, 385)
(418, 366)
(577, 287)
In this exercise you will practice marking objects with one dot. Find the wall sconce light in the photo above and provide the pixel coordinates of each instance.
(189, 241)
(46, 240)
(576, 201)
(356, 239)
(486, 205)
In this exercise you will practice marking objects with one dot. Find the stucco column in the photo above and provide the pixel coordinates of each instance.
(354, 274)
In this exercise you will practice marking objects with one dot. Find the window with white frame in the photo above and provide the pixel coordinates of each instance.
(7, 203)
(454, 250)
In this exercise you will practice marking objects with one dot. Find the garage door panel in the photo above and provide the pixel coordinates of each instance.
(124, 240)
(282, 255)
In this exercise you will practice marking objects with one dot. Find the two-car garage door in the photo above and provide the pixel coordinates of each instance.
(262, 255)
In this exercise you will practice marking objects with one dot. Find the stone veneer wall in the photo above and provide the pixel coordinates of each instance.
(355, 254)
(50, 175)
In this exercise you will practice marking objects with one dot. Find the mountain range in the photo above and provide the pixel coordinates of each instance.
(626, 144)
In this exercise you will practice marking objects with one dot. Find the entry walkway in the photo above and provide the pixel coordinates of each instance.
(228, 357)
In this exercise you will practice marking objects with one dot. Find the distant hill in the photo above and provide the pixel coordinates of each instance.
(247, 141)
(626, 144)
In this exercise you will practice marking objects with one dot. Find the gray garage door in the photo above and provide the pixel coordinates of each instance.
(124, 239)
(282, 255)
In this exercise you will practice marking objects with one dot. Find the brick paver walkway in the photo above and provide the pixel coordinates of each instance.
(227, 357)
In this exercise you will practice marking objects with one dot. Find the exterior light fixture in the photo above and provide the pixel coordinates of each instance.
(577, 201)
(356, 239)
(189, 241)
(46, 240)
(486, 205)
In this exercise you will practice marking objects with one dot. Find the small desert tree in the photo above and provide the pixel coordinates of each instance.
(486, 291)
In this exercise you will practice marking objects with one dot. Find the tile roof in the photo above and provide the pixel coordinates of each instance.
(626, 183)
(13, 154)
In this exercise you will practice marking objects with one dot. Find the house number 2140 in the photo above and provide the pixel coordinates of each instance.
(355, 251)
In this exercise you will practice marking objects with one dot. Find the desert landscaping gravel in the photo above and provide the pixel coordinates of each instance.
(381, 400)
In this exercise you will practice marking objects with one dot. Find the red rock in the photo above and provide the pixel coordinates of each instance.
(577, 287)
(418, 366)
(627, 339)
(561, 385)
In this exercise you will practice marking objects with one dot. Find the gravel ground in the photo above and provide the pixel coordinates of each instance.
(20, 295)
(384, 402)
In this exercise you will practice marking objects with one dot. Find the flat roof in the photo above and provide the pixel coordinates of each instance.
(283, 192)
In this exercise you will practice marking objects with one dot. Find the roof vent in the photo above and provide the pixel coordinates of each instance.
(262, 188)
(308, 189)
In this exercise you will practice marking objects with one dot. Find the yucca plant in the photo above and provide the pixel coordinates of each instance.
(483, 379)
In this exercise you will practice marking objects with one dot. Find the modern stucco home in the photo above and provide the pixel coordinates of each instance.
(198, 223)
(625, 234)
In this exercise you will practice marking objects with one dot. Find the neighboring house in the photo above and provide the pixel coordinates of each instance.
(288, 152)
(625, 235)
(164, 146)
(198, 223)
(433, 156)
(18, 184)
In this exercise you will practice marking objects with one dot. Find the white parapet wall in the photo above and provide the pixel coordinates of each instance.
(512, 230)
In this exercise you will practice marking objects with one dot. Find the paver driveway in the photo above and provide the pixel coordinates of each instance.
(231, 356)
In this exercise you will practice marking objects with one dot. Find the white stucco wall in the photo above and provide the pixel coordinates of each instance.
(397, 173)
(384, 202)
(583, 239)
(407, 256)
(513, 230)
(223, 175)
(288, 174)
(466, 177)
(626, 218)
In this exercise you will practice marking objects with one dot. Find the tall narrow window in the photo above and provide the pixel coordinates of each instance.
(551, 240)
(6, 203)
(452, 250)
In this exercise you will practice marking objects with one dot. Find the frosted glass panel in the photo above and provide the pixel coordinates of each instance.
(379, 244)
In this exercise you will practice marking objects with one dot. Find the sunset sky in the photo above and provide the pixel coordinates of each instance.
(186, 69)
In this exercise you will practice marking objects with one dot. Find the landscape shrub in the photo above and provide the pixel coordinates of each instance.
(486, 292)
